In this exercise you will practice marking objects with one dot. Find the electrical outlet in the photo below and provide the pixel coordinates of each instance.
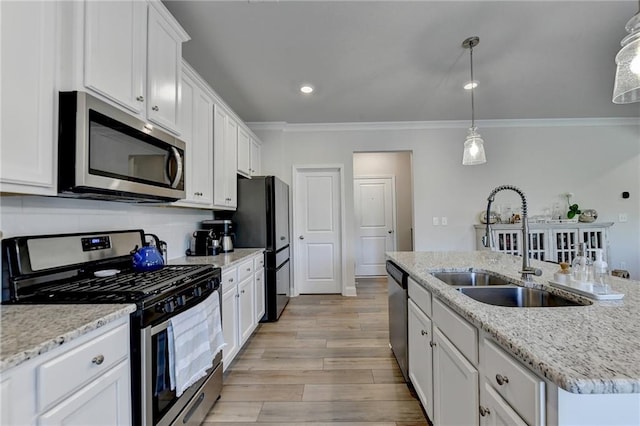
(436, 221)
(444, 221)
(622, 217)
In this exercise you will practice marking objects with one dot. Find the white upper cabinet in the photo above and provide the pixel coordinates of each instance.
(114, 51)
(225, 142)
(256, 168)
(196, 127)
(244, 152)
(132, 56)
(29, 97)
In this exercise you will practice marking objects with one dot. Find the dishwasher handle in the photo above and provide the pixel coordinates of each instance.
(398, 275)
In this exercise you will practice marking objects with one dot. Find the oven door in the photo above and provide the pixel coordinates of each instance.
(160, 405)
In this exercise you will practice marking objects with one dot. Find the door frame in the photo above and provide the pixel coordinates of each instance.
(394, 210)
(300, 168)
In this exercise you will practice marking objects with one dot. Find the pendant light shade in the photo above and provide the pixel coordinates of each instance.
(474, 144)
(626, 89)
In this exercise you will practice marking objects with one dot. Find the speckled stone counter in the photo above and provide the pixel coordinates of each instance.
(221, 261)
(583, 349)
(27, 331)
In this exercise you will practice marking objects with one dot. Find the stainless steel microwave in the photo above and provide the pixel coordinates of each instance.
(105, 153)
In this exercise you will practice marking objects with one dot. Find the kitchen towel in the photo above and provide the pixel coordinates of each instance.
(214, 322)
(190, 354)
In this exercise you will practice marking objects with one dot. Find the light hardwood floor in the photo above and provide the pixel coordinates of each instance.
(325, 362)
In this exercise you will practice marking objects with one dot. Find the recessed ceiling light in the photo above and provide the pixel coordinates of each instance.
(306, 89)
(471, 85)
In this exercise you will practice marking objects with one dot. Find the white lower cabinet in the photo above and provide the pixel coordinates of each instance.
(85, 381)
(421, 356)
(495, 411)
(455, 384)
(242, 304)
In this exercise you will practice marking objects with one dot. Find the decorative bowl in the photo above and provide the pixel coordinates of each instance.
(588, 215)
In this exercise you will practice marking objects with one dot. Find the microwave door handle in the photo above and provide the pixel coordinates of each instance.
(179, 169)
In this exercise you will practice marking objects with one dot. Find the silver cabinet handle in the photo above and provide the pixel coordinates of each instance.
(282, 238)
(424, 333)
(301, 237)
(230, 280)
(248, 269)
(98, 360)
(140, 99)
(432, 344)
(501, 379)
(484, 411)
(155, 108)
(242, 292)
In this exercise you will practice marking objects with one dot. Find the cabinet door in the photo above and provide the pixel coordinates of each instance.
(494, 411)
(114, 51)
(106, 400)
(455, 384)
(230, 326)
(29, 97)
(421, 356)
(202, 150)
(246, 310)
(565, 243)
(164, 55)
(256, 168)
(230, 152)
(244, 152)
(259, 294)
(219, 175)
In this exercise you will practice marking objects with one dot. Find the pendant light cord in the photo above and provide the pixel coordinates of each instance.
(472, 88)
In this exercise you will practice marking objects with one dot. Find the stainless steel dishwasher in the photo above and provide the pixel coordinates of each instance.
(398, 299)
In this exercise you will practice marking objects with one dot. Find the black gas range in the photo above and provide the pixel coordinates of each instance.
(70, 269)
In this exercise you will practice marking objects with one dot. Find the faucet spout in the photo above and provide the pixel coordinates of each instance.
(527, 271)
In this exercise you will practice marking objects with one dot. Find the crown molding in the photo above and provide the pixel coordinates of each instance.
(445, 124)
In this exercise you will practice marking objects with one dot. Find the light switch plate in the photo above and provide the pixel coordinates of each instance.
(436, 221)
(444, 221)
(622, 217)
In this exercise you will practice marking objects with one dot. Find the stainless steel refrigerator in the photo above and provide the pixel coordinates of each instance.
(262, 220)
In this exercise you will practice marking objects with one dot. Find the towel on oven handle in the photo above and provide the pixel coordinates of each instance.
(190, 354)
(214, 322)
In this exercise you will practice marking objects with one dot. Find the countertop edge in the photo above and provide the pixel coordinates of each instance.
(222, 260)
(69, 336)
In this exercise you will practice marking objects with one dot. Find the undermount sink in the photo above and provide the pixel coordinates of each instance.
(470, 278)
(517, 297)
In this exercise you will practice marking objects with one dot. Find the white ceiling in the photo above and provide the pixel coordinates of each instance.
(403, 61)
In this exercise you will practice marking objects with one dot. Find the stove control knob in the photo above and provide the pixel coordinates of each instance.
(169, 306)
(197, 292)
(181, 300)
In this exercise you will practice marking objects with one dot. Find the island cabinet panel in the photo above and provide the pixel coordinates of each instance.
(523, 390)
(494, 411)
(421, 356)
(462, 334)
(455, 380)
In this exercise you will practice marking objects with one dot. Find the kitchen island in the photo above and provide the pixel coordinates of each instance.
(588, 355)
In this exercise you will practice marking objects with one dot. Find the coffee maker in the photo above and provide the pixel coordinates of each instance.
(224, 231)
(203, 243)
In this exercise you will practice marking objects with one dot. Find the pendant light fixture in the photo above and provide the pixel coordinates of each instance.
(473, 145)
(626, 89)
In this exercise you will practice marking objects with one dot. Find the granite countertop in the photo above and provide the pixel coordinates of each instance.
(582, 349)
(222, 260)
(27, 331)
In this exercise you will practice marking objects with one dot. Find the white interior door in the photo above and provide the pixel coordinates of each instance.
(374, 205)
(317, 228)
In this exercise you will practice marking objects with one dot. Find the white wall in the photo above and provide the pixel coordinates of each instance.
(595, 159)
(31, 215)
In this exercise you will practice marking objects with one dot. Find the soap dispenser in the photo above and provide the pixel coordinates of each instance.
(582, 266)
(601, 272)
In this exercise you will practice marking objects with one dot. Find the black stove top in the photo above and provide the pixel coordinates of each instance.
(124, 287)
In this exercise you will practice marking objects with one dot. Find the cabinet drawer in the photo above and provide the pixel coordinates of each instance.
(67, 372)
(258, 262)
(229, 278)
(522, 389)
(245, 269)
(420, 296)
(462, 334)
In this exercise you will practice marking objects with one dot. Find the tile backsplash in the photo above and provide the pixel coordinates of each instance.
(32, 215)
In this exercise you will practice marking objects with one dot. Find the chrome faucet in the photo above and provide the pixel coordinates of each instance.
(527, 270)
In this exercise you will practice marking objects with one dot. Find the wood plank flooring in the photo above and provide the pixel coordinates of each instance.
(326, 362)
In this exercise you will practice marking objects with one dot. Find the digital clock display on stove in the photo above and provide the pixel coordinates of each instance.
(96, 243)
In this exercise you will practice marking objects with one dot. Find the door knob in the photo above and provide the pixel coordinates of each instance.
(301, 237)
(390, 231)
